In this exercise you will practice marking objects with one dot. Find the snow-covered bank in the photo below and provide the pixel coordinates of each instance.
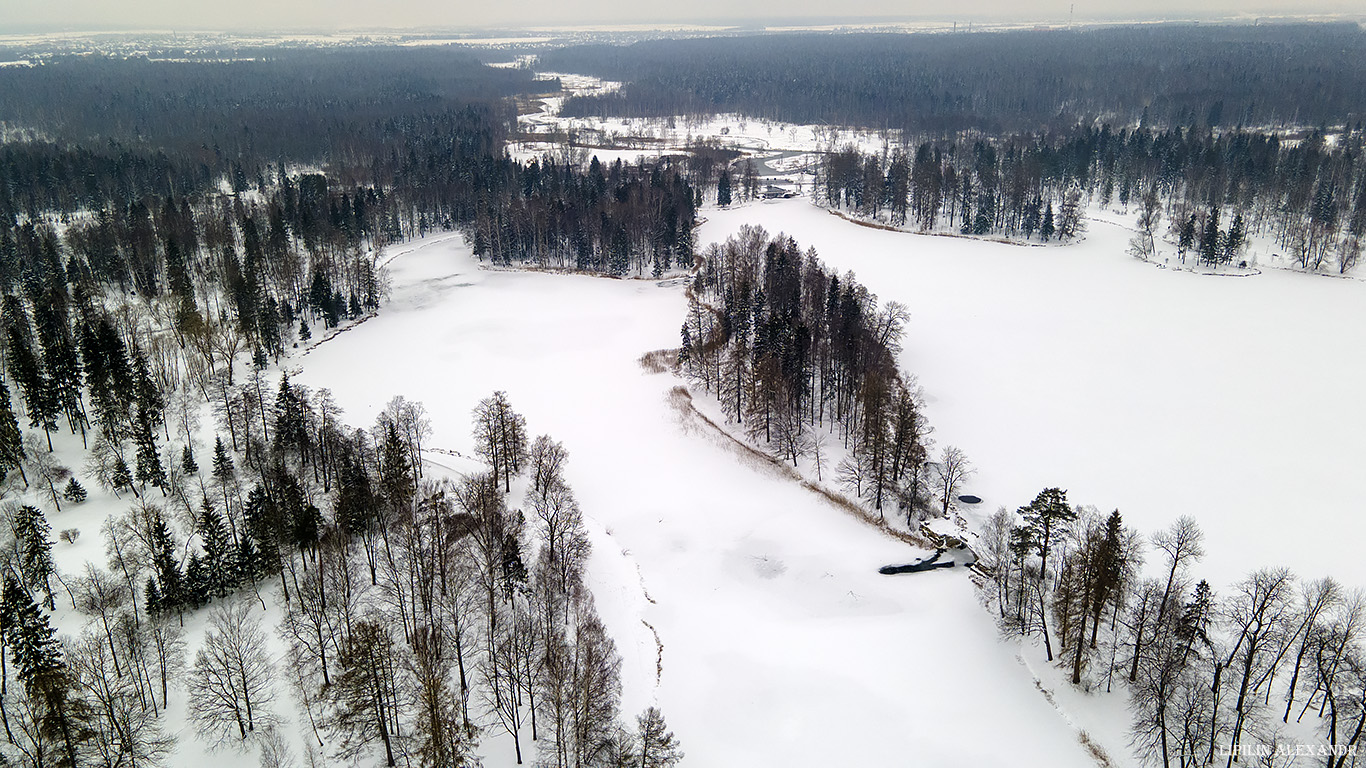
(781, 645)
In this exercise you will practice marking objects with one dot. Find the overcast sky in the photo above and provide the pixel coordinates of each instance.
(446, 14)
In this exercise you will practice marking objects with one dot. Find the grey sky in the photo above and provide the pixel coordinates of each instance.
(446, 14)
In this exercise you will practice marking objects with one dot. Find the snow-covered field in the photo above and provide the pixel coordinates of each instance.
(781, 645)
(1235, 400)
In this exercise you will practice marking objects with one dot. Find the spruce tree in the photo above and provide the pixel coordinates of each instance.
(34, 545)
(151, 406)
(122, 477)
(11, 438)
(219, 570)
(187, 463)
(1209, 239)
(169, 581)
(149, 469)
(74, 491)
(33, 384)
(42, 670)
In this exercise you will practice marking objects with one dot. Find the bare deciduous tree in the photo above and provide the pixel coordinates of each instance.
(231, 686)
(954, 470)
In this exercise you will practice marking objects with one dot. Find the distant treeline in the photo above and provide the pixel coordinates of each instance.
(1308, 194)
(1163, 75)
(301, 105)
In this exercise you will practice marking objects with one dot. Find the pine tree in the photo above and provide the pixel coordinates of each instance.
(1049, 228)
(305, 333)
(223, 469)
(151, 406)
(395, 474)
(195, 591)
(723, 188)
(1185, 238)
(685, 349)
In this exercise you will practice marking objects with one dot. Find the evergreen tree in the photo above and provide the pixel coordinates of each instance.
(223, 469)
(1210, 251)
(1048, 228)
(41, 668)
(74, 491)
(396, 482)
(1185, 239)
(11, 438)
(149, 469)
(219, 572)
(23, 366)
(169, 582)
(658, 747)
(195, 591)
(723, 188)
(1234, 239)
(122, 476)
(187, 463)
(34, 545)
(151, 406)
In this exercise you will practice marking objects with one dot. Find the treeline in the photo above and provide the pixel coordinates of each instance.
(1209, 676)
(997, 82)
(793, 351)
(1309, 195)
(420, 614)
(303, 105)
(616, 220)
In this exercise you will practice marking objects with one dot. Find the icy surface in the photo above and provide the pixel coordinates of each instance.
(781, 645)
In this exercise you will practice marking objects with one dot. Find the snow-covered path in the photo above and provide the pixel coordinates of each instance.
(781, 643)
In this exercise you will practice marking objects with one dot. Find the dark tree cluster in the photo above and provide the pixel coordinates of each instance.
(1216, 189)
(997, 82)
(235, 110)
(792, 349)
(616, 219)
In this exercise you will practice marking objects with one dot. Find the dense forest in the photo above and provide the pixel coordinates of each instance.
(1214, 190)
(1160, 76)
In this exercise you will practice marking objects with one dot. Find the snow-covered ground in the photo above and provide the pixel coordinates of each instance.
(787, 145)
(779, 642)
(1231, 399)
